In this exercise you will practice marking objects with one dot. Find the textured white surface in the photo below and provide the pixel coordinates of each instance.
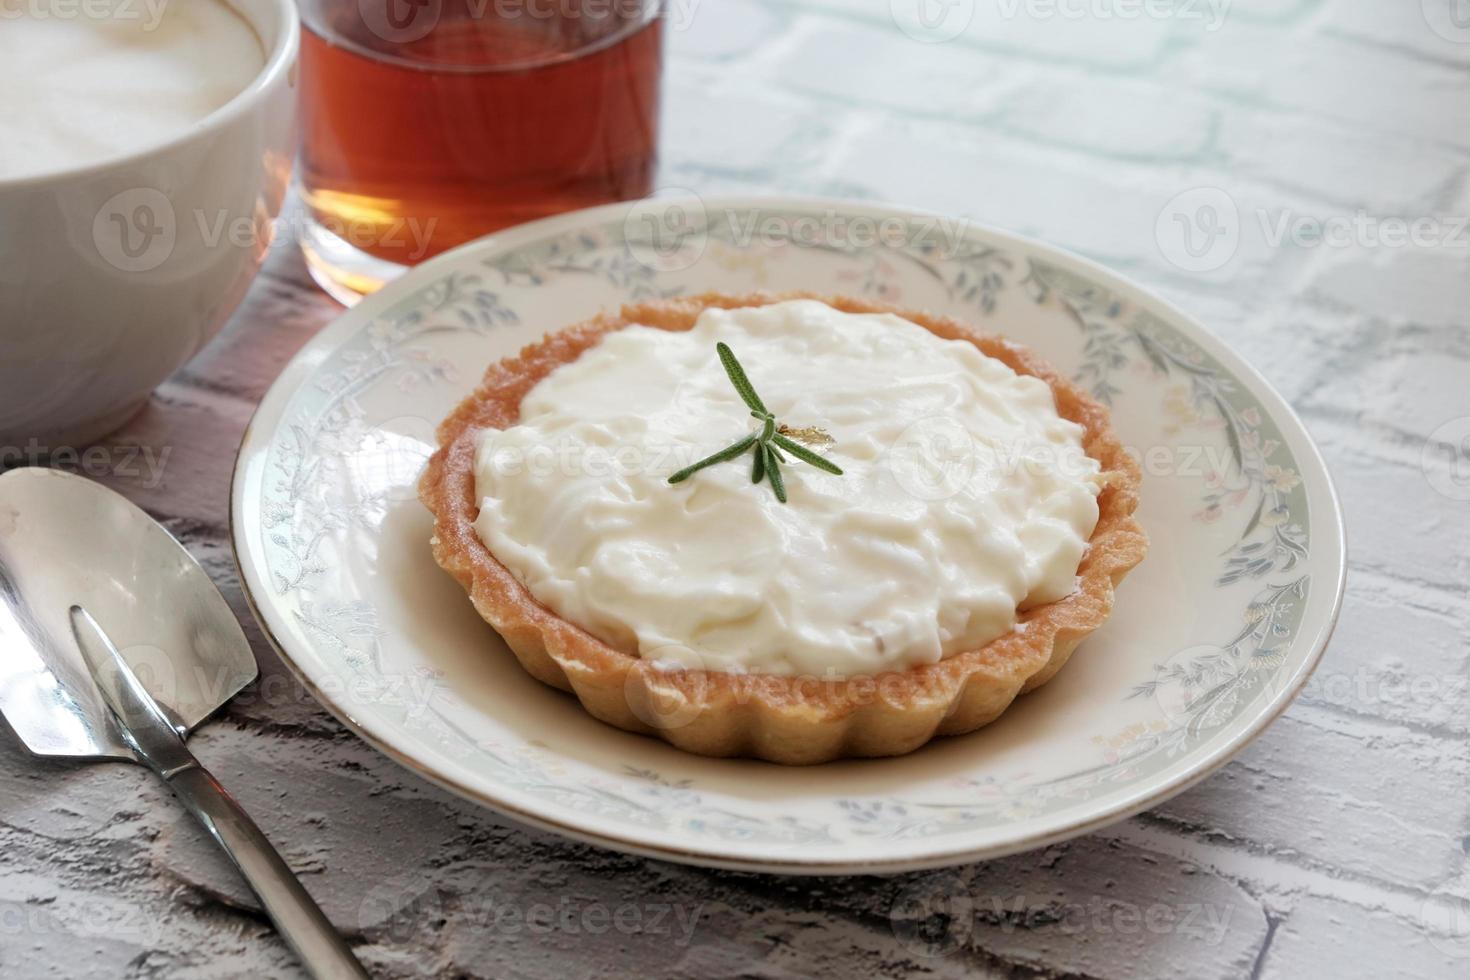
(1335, 846)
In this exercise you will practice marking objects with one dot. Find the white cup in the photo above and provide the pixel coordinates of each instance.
(113, 274)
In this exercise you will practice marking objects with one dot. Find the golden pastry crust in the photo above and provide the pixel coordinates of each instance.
(790, 720)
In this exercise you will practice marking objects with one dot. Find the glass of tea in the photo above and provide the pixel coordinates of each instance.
(428, 123)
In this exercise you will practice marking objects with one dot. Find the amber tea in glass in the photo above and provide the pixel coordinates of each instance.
(428, 123)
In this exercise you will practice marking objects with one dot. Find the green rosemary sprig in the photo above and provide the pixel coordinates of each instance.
(767, 443)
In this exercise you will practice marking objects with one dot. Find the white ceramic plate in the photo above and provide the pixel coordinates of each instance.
(1212, 635)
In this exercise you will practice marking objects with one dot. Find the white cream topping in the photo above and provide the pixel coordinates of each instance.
(964, 495)
(84, 82)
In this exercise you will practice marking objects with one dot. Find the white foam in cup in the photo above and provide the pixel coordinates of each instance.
(145, 151)
(90, 81)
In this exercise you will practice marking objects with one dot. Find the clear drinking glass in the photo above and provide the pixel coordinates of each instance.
(428, 123)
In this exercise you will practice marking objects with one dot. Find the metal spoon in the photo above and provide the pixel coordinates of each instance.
(72, 550)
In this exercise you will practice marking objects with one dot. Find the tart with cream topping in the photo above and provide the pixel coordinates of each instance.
(882, 526)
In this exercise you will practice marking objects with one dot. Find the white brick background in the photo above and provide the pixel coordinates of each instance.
(1335, 846)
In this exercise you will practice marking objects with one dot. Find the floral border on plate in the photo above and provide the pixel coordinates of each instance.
(1212, 685)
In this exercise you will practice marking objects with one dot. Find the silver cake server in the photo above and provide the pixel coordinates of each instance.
(84, 572)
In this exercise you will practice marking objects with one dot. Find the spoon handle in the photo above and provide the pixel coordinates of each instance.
(158, 745)
(323, 952)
